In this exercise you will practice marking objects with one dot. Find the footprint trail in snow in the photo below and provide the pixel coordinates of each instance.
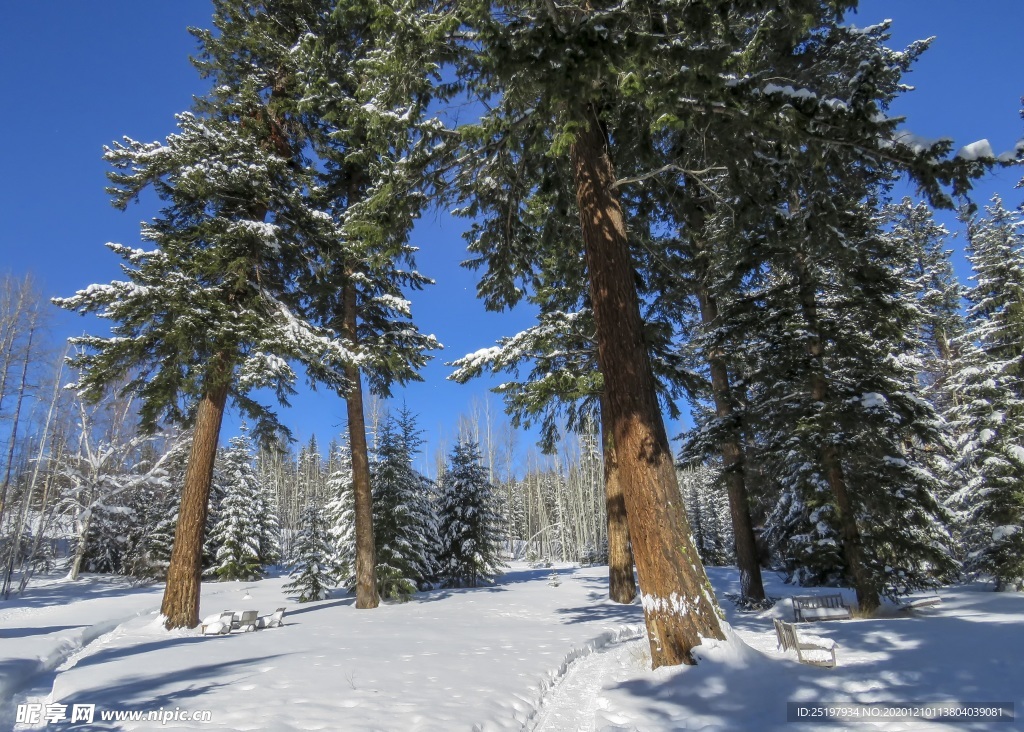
(574, 702)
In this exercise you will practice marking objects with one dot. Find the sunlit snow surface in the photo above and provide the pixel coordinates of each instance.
(522, 655)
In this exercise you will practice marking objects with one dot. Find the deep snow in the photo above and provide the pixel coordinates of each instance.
(521, 655)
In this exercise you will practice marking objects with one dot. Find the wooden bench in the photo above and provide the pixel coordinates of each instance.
(819, 652)
(820, 607)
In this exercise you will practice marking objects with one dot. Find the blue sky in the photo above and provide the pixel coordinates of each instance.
(79, 75)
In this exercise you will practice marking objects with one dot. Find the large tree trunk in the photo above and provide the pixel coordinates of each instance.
(184, 574)
(621, 582)
(366, 555)
(733, 460)
(679, 604)
(867, 592)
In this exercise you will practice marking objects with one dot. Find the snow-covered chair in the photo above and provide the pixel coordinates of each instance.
(275, 620)
(219, 624)
(245, 623)
(820, 607)
(816, 651)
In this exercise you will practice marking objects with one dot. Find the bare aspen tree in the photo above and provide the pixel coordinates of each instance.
(15, 548)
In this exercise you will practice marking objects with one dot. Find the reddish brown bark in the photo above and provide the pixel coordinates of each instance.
(679, 604)
(621, 581)
(184, 575)
(366, 554)
(733, 462)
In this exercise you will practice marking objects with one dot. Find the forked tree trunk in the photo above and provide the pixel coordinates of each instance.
(868, 597)
(679, 604)
(733, 460)
(621, 582)
(184, 574)
(366, 555)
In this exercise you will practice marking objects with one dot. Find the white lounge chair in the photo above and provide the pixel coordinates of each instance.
(246, 623)
(274, 620)
(219, 624)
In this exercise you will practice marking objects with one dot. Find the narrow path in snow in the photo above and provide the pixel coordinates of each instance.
(571, 704)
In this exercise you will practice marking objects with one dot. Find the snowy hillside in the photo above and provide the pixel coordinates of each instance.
(526, 654)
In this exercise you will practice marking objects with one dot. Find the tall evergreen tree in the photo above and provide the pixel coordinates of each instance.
(469, 525)
(311, 571)
(213, 311)
(245, 532)
(341, 516)
(371, 81)
(566, 75)
(708, 510)
(930, 279)
(404, 526)
(839, 404)
(988, 415)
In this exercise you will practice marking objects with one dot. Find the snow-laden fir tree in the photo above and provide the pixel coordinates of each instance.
(836, 400)
(310, 472)
(929, 277)
(213, 309)
(988, 411)
(160, 533)
(370, 79)
(708, 509)
(797, 398)
(312, 575)
(590, 85)
(298, 172)
(404, 525)
(246, 529)
(341, 518)
(107, 542)
(469, 525)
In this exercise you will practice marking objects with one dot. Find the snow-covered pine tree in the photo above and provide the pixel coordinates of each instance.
(930, 279)
(988, 413)
(311, 573)
(213, 310)
(469, 525)
(708, 509)
(630, 67)
(692, 283)
(861, 489)
(776, 295)
(370, 80)
(341, 518)
(405, 533)
(310, 472)
(268, 526)
(107, 538)
(244, 533)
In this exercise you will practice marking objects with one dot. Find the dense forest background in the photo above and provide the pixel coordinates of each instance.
(708, 226)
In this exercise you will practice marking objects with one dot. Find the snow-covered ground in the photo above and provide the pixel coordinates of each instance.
(522, 655)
